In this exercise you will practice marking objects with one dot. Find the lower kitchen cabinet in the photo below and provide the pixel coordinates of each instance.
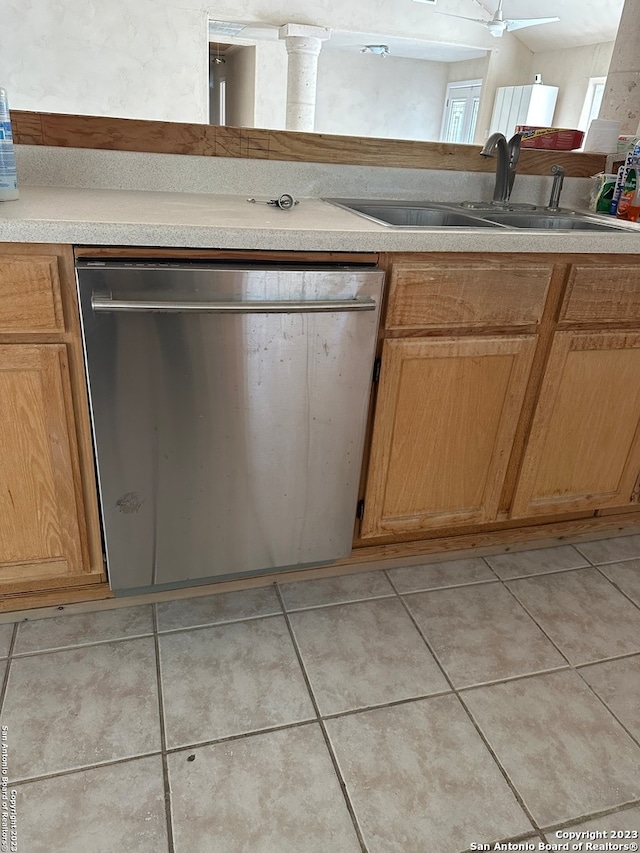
(40, 530)
(49, 532)
(584, 447)
(446, 417)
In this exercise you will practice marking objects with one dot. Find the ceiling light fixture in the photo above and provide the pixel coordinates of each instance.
(225, 28)
(378, 49)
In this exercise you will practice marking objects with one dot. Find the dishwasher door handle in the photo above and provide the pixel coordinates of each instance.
(101, 303)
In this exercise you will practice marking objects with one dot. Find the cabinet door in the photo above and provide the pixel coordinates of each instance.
(39, 527)
(445, 420)
(583, 451)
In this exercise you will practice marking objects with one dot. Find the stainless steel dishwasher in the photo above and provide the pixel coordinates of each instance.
(228, 407)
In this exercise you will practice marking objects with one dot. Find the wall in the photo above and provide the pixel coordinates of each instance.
(271, 85)
(468, 69)
(570, 70)
(508, 65)
(148, 58)
(240, 73)
(142, 59)
(367, 95)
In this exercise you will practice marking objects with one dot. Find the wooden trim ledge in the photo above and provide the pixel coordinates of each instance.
(161, 137)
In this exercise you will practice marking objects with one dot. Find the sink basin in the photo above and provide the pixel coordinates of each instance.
(413, 214)
(547, 221)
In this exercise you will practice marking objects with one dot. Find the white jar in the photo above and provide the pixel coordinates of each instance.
(8, 173)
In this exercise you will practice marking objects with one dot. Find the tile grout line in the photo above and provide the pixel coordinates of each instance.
(571, 667)
(575, 667)
(114, 762)
(614, 810)
(163, 736)
(610, 562)
(325, 734)
(5, 679)
(81, 645)
(502, 770)
(613, 714)
(615, 585)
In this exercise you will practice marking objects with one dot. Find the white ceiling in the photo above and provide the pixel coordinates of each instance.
(404, 47)
(581, 22)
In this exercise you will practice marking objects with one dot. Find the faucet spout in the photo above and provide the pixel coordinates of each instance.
(498, 141)
(507, 160)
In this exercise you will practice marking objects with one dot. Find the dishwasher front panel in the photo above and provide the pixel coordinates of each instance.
(229, 411)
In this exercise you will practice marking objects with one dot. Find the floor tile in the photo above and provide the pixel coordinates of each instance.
(223, 607)
(480, 633)
(370, 653)
(536, 562)
(297, 596)
(611, 550)
(81, 628)
(269, 792)
(625, 820)
(436, 575)
(626, 576)
(562, 749)
(617, 682)
(421, 779)
(118, 807)
(231, 679)
(81, 706)
(582, 613)
(6, 633)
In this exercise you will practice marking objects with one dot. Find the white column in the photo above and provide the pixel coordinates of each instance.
(621, 100)
(303, 45)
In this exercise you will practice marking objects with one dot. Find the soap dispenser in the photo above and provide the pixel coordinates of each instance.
(8, 172)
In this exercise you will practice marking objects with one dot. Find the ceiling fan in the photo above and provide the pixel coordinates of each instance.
(498, 24)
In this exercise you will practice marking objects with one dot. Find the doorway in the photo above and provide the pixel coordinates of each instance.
(461, 111)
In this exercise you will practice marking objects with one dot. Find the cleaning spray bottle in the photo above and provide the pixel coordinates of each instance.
(8, 173)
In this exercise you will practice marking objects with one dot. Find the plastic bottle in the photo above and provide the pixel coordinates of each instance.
(8, 173)
(628, 201)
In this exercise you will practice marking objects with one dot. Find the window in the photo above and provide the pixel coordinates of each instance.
(592, 102)
(461, 111)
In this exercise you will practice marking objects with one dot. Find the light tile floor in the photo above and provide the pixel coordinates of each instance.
(428, 709)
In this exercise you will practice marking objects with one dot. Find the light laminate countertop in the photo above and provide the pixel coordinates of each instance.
(202, 220)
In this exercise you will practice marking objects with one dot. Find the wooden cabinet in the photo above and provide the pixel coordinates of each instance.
(40, 535)
(509, 390)
(446, 419)
(49, 533)
(584, 447)
(451, 392)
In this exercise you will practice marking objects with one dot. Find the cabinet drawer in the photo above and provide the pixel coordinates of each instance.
(424, 296)
(608, 294)
(30, 294)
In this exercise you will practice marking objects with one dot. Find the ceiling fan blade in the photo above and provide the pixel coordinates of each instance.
(464, 17)
(519, 24)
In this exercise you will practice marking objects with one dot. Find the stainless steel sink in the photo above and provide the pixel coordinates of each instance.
(412, 214)
(548, 221)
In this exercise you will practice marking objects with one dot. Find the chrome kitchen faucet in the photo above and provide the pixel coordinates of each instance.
(507, 161)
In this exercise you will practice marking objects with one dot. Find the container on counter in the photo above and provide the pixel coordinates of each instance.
(550, 138)
(602, 191)
(8, 172)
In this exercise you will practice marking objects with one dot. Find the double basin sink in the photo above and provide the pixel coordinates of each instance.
(412, 214)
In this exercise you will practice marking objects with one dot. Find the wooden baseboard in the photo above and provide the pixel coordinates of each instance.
(100, 597)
